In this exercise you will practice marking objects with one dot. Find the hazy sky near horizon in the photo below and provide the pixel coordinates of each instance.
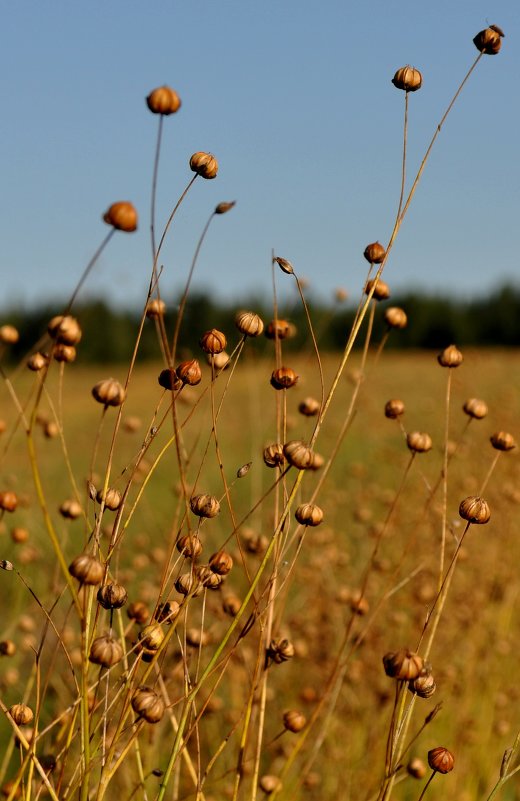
(296, 102)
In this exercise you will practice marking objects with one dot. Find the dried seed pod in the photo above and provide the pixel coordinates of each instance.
(8, 501)
(280, 650)
(105, 651)
(381, 291)
(204, 505)
(408, 79)
(475, 408)
(418, 442)
(167, 612)
(155, 308)
(317, 461)
(441, 760)
(278, 329)
(221, 562)
(224, 207)
(308, 514)
(7, 648)
(168, 379)
(273, 455)
(163, 100)
(21, 714)
(219, 361)
(208, 578)
(294, 721)
(416, 768)
(256, 543)
(423, 686)
(19, 535)
(9, 335)
(502, 441)
(122, 216)
(244, 470)
(189, 545)
(249, 324)
(403, 665)
(111, 498)
(474, 510)
(395, 317)
(358, 603)
(204, 164)
(197, 638)
(450, 357)
(231, 604)
(188, 584)
(65, 354)
(489, 41)
(109, 392)
(87, 569)
(65, 329)
(283, 378)
(138, 611)
(148, 704)
(189, 372)
(213, 341)
(394, 408)
(71, 509)
(37, 362)
(374, 253)
(112, 596)
(298, 454)
(309, 407)
(285, 265)
(151, 637)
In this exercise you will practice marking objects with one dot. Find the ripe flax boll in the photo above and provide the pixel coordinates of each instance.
(381, 291)
(419, 442)
(408, 79)
(164, 101)
(374, 253)
(249, 324)
(474, 510)
(122, 216)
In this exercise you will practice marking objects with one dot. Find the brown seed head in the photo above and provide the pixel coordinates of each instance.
(9, 335)
(283, 378)
(273, 455)
(308, 514)
(298, 454)
(407, 78)
(37, 361)
(416, 768)
(122, 216)
(475, 408)
(394, 408)
(188, 584)
(474, 510)
(8, 501)
(403, 665)
(19, 534)
(168, 379)
(381, 291)
(294, 721)
(450, 357)
(502, 441)
(71, 509)
(309, 407)
(64, 353)
(167, 612)
(220, 361)
(423, 686)
(109, 392)
(163, 100)
(204, 164)
(7, 648)
(280, 650)
(221, 562)
(374, 253)
(224, 207)
(105, 651)
(208, 578)
(213, 341)
(249, 324)
(489, 41)
(204, 505)
(418, 442)
(189, 545)
(21, 714)
(285, 265)
(189, 372)
(148, 704)
(155, 308)
(269, 783)
(112, 596)
(151, 637)
(87, 569)
(395, 317)
(65, 329)
(111, 497)
(138, 611)
(231, 604)
(278, 329)
(441, 760)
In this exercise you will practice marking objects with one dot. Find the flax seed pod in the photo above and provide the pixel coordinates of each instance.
(418, 442)
(112, 596)
(395, 317)
(50, 429)
(21, 714)
(284, 265)
(374, 253)
(221, 562)
(87, 569)
(213, 342)
(37, 361)
(138, 611)
(7, 648)
(423, 686)
(278, 329)
(403, 665)
(167, 612)
(189, 545)
(502, 441)
(394, 409)
(207, 578)
(197, 638)
(109, 392)
(204, 164)
(168, 380)
(273, 455)
(475, 408)
(408, 79)
(220, 361)
(204, 505)
(9, 335)
(148, 704)
(309, 407)
(151, 637)
(269, 783)
(71, 509)
(65, 354)
(231, 604)
(249, 324)
(280, 650)
(381, 291)
(163, 100)
(188, 584)
(283, 378)
(450, 357)
(294, 721)
(416, 768)
(474, 510)
(189, 372)
(155, 308)
(224, 207)
(298, 454)
(489, 41)
(105, 651)
(19, 535)
(65, 329)
(8, 501)
(441, 760)
(122, 216)
(308, 514)
(111, 498)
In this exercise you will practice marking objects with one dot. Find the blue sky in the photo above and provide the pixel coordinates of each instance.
(295, 100)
